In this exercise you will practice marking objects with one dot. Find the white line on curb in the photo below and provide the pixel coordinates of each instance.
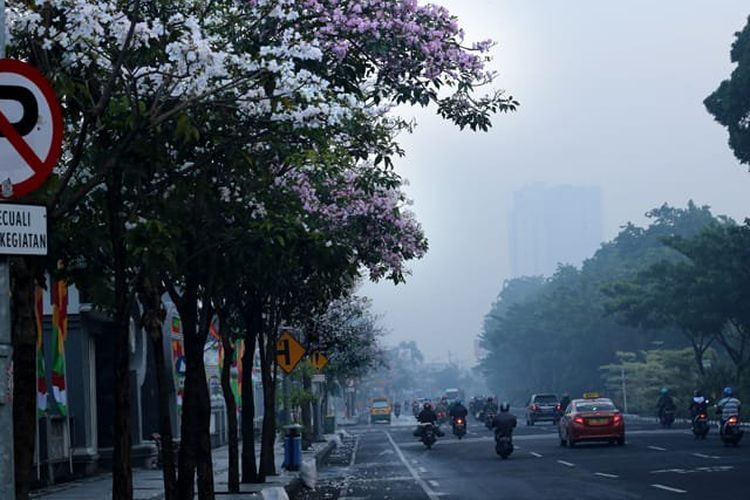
(567, 464)
(422, 470)
(657, 448)
(668, 488)
(537, 455)
(604, 474)
(434, 483)
(430, 493)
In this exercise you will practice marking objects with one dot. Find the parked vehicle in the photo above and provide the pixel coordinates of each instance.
(542, 407)
(593, 419)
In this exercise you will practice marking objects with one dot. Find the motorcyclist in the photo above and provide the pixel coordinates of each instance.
(727, 406)
(397, 409)
(428, 416)
(665, 402)
(490, 406)
(564, 402)
(698, 405)
(504, 421)
(458, 410)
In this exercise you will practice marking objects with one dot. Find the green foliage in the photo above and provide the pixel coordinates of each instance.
(730, 102)
(646, 372)
(553, 334)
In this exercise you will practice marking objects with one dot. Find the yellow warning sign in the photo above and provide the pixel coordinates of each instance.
(289, 352)
(319, 360)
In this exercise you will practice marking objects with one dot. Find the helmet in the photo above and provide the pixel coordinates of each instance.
(728, 391)
(504, 406)
(664, 391)
(459, 402)
(697, 393)
(427, 406)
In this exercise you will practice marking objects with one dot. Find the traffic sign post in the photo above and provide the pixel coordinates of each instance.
(319, 360)
(7, 469)
(30, 128)
(31, 132)
(289, 352)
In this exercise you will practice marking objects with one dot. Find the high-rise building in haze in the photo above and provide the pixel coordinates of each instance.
(553, 224)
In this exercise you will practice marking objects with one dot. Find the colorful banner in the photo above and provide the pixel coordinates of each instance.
(239, 352)
(59, 335)
(41, 372)
(178, 359)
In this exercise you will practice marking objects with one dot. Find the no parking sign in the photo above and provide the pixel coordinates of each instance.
(31, 128)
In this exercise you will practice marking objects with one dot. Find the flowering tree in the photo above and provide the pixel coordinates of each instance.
(277, 80)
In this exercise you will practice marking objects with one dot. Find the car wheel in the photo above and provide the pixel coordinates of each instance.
(562, 442)
(571, 443)
(528, 422)
(531, 422)
(621, 441)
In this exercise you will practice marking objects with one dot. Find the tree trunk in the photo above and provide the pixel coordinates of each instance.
(253, 325)
(195, 448)
(122, 474)
(307, 435)
(226, 386)
(149, 296)
(24, 372)
(268, 437)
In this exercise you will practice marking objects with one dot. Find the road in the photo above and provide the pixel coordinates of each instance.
(386, 462)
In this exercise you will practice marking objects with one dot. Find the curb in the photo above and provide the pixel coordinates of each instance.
(296, 485)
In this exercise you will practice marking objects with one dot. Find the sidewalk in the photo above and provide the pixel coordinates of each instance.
(148, 484)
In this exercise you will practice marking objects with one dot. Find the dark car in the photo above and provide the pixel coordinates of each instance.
(542, 407)
(593, 419)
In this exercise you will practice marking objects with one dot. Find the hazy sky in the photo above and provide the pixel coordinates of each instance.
(611, 95)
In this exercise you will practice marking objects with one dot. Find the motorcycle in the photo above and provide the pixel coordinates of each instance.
(731, 432)
(503, 444)
(428, 435)
(489, 417)
(397, 411)
(459, 427)
(700, 425)
(667, 417)
(442, 417)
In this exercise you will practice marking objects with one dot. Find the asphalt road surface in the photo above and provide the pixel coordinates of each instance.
(386, 462)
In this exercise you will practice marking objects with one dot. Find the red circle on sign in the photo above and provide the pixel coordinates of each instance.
(42, 167)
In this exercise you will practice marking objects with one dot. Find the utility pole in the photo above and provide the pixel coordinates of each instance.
(7, 470)
(624, 390)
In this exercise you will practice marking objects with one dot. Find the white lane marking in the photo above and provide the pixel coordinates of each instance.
(702, 455)
(668, 488)
(537, 455)
(567, 464)
(428, 491)
(354, 453)
(434, 483)
(422, 470)
(604, 474)
(656, 448)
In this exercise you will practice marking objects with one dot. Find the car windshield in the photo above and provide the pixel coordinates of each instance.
(546, 399)
(595, 406)
(380, 404)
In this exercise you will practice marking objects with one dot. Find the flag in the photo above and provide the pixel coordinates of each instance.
(213, 331)
(59, 335)
(41, 373)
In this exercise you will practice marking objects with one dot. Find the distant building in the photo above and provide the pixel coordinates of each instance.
(553, 224)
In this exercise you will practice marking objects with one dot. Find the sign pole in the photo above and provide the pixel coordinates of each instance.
(7, 472)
